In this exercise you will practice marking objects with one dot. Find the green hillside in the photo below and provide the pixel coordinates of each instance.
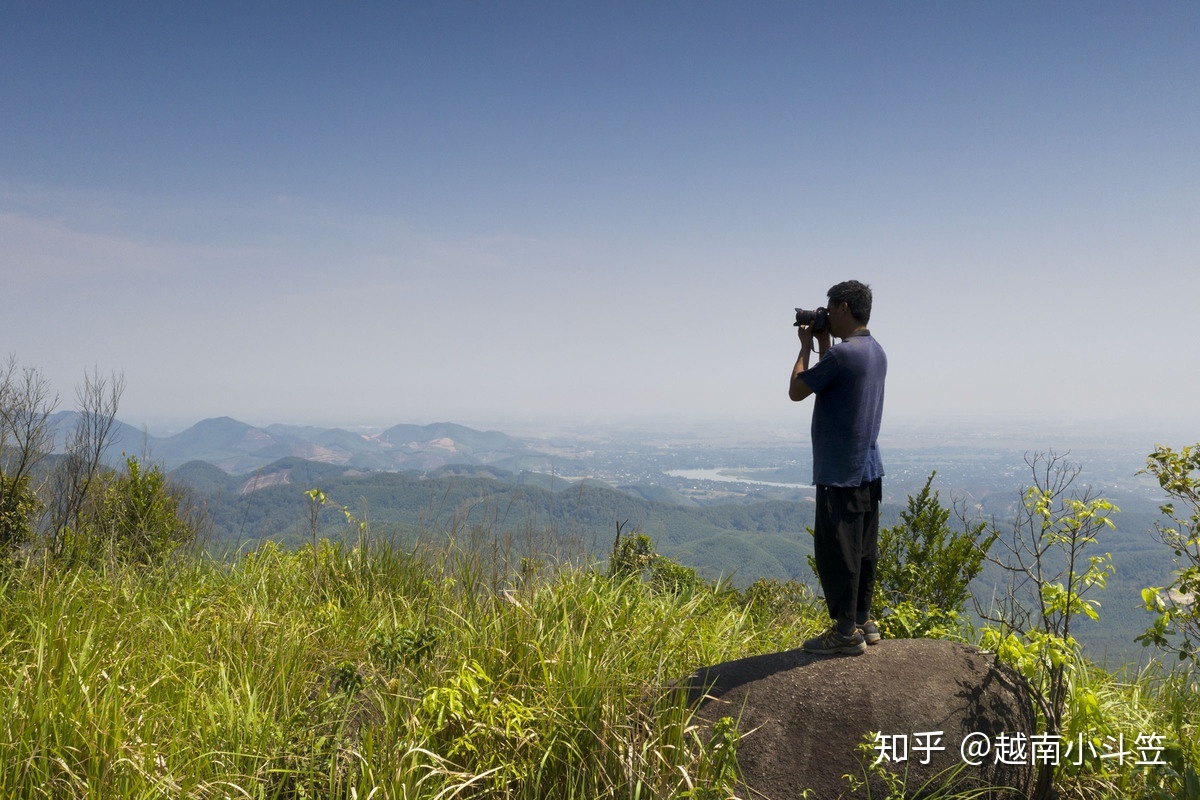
(740, 542)
(766, 539)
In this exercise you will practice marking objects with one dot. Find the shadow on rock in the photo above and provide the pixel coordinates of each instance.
(804, 720)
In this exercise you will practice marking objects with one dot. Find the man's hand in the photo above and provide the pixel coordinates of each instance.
(822, 339)
(798, 389)
(806, 337)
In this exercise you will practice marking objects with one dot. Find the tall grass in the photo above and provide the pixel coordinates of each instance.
(354, 672)
(387, 674)
(1138, 735)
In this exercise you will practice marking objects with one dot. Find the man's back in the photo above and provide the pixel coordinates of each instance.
(849, 387)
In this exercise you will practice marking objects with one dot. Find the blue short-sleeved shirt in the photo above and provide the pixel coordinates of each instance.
(848, 383)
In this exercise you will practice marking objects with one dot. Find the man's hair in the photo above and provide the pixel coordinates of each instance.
(858, 297)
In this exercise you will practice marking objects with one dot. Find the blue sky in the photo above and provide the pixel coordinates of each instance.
(492, 213)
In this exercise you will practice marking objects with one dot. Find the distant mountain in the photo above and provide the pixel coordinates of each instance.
(466, 438)
(219, 433)
(238, 448)
(125, 439)
(296, 473)
(432, 446)
(231, 445)
(201, 476)
(331, 438)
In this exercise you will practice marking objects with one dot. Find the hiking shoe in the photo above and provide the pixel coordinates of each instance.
(870, 632)
(831, 642)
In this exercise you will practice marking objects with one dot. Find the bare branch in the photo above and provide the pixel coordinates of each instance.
(26, 404)
(97, 399)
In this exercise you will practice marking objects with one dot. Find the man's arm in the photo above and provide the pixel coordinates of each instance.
(798, 389)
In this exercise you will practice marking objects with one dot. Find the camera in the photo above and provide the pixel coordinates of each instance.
(813, 319)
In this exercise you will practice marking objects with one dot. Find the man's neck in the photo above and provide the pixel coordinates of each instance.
(861, 330)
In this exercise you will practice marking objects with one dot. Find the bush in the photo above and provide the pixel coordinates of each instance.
(19, 505)
(1176, 627)
(632, 554)
(925, 569)
(136, 519)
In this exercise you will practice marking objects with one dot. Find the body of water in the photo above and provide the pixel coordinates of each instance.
(724, 475)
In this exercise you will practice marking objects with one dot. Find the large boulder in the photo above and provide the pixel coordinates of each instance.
(803, 719)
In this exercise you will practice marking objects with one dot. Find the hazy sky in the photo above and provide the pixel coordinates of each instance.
(380, 212)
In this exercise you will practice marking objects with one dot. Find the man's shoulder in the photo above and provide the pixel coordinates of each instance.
(859, 355)
(858, 343)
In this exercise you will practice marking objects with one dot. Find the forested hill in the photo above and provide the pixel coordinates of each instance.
(746, 541)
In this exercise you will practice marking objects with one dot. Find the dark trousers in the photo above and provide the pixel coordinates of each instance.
(846, 548)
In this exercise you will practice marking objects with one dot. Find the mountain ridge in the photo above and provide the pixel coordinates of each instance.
(239, 448)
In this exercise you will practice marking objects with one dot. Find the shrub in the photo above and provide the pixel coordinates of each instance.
(19, 505)
(632, 555)
(1176, 627)
(136, 519)
(925, 569)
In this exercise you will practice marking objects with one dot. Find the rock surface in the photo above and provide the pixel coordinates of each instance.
(803, 718)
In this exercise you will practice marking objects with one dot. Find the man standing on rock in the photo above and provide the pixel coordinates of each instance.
(848, 381)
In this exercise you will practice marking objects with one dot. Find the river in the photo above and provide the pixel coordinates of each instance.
(721, 474)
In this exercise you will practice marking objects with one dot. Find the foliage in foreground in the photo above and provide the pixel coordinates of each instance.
(393, 676)
(1123, 738)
